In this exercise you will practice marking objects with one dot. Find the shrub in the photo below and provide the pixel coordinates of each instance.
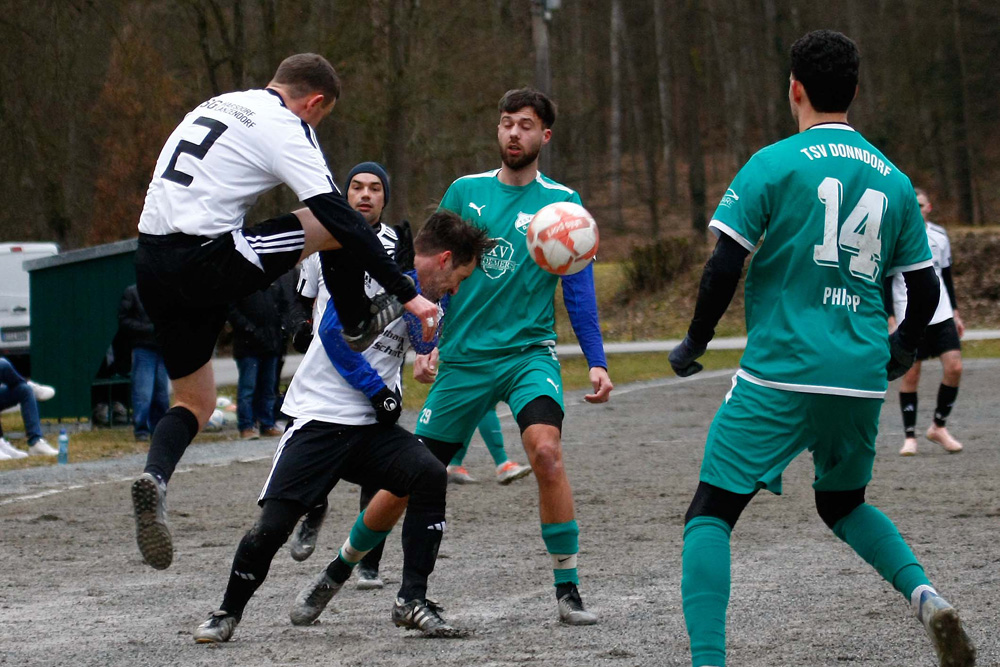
(652, 266)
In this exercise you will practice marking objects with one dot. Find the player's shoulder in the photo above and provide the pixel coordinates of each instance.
(561, 191)
(937, 230)
(388, 232)
(475, 180)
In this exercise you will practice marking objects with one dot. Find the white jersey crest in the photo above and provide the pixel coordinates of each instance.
(224, 154)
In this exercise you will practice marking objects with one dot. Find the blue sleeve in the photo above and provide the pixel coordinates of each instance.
(350, 364)
(581, 304)
(414, 329)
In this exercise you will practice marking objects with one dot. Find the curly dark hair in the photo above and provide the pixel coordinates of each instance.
(826, 64)
(445, 230)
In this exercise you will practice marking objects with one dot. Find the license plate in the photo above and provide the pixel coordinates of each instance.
(14, 336)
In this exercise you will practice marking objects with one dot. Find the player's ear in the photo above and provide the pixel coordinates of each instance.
(546, 135)
(444, 259)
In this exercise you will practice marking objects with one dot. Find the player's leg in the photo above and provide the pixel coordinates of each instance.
(951, 362)
(185, 284)
(507, 471)
(843, 457)
(705, 559)
(368, 577)
(532, 386)
(754, 435)
(908, 406)
(250, 567)
(457, 474)
(303, 542)
(370, 529)
(265, 395)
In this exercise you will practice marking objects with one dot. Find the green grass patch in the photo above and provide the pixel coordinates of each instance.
(103, 443)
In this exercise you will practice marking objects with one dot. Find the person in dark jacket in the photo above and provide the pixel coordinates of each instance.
(258, 343)
(150, 384)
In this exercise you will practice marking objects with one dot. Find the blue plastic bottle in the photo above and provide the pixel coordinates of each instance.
(63, 446)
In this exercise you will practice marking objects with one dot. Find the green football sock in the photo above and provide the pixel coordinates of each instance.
(705, 588)
(362, 540)
(875, 538)
(562, 540)
(489, 429)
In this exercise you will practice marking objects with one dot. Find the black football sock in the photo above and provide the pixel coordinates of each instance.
(908, 404)
(945, 402)
(171, 437)
(256, 551)
(423, 528)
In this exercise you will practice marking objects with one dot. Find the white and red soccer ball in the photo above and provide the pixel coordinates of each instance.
(562, 238)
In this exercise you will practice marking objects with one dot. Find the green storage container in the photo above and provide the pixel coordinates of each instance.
(74, 317)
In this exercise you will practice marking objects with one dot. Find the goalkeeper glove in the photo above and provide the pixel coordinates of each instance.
(682, 358)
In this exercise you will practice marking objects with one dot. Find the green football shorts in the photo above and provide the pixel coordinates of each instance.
(463, 392)
(759, 430)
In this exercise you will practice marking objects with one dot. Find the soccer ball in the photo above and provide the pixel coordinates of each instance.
(562, 238)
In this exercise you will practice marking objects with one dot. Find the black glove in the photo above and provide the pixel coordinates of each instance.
(682, 358)
(388, 406)
(302, 337)
(901, 358)
(404, 246)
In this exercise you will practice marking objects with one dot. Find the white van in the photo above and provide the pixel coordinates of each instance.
(15, 336)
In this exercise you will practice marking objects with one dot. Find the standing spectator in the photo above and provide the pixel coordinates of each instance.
(150, 385)
(15, 390)
(258, 341)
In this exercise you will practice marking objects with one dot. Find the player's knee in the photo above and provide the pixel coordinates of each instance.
(546, 460)
(716, 502)
(953, 370)
(833, 506)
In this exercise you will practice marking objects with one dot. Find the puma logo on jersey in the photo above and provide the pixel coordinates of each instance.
(553, 383)
(478, 209)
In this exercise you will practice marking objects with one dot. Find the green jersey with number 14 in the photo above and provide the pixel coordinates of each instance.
(835, 217)
(506, 304)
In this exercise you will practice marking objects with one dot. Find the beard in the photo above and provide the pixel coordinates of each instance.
(526, 157)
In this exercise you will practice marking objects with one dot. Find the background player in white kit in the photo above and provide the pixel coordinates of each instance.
(942, 339)
(345, 406)
(194, 256)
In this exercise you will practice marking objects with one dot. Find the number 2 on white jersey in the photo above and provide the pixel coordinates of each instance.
(860, 234)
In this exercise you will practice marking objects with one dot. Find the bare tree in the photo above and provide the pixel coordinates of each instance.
(664, 82)
(617, 26)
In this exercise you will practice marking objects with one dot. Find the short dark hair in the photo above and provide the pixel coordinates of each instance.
(826, 64)
(519, 98)
(306, 73)
(920, 191)
(445, 230)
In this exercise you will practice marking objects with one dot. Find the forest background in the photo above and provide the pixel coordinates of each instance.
(660, 101)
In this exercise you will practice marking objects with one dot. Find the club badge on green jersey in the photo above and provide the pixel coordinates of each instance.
(500, 259)
(522, 221)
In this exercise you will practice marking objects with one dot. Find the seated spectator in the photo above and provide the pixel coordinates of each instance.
(15, 390)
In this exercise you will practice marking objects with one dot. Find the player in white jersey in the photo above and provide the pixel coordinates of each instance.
(942, 339)
(367, 189)
(345, 406)
(195, 257)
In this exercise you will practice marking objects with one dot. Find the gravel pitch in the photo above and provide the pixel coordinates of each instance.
(74, 590)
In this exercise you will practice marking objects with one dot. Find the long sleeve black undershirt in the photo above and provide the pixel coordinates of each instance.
(922, 293)
(357, 236)
(718, 285)
(949, 286)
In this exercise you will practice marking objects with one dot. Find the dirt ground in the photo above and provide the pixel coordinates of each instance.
(74, 591)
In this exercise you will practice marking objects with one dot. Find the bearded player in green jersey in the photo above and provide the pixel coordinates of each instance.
(498, 339)
(831, 215)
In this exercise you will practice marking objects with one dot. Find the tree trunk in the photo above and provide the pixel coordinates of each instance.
(664, 80)
(964, 187)
(726, 42)
(617, 23)
(543, 72)
(648, 148)
(692, 107)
